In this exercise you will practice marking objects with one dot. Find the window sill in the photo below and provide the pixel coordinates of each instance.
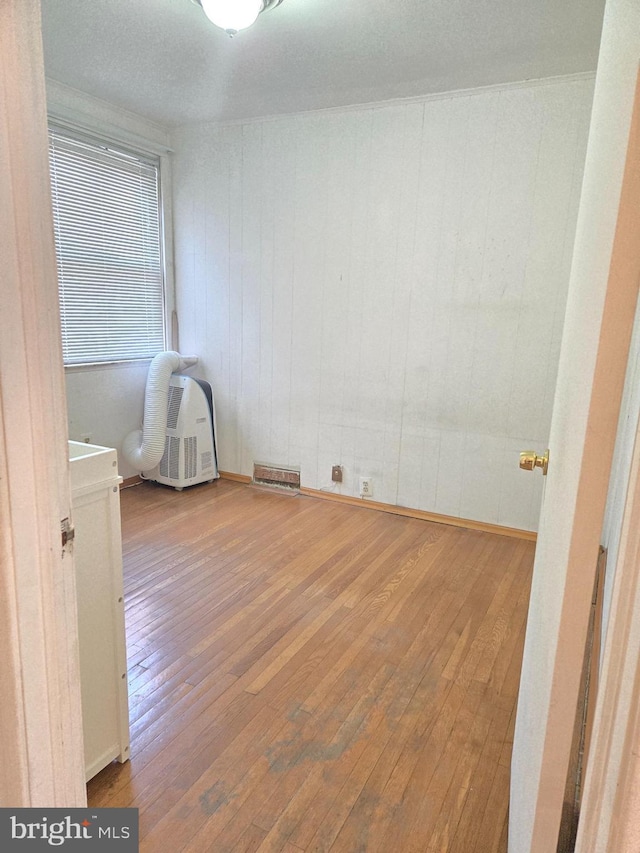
(108, 365)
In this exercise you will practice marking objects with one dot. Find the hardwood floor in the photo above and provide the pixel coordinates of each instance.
(311, 676)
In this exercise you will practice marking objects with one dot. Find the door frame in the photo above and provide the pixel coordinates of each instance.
(611, 800)
(40, 712)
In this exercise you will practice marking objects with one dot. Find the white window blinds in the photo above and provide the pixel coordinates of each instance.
(106, 214)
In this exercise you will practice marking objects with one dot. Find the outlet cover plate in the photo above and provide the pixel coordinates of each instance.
(366, 487)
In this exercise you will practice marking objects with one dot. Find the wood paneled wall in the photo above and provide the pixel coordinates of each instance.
(384, 288)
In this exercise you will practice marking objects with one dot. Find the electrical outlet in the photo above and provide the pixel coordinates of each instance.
(336, 473)
(366, 487)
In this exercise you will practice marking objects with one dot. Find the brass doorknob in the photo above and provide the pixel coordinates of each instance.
(530, 460)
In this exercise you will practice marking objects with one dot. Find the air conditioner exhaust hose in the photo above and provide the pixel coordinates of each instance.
(144, 448)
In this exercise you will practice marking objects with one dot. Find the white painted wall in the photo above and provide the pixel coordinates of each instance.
(106, 401)
(385, 288)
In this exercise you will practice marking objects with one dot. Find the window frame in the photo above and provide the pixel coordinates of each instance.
(150, 152)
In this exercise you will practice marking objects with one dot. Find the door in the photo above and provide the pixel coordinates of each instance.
(600, 311)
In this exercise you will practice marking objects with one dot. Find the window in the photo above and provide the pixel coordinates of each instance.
(106, 216)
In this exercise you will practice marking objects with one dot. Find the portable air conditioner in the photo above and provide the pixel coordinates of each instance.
(190, 453)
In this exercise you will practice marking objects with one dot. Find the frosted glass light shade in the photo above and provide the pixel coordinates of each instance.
(232, 15)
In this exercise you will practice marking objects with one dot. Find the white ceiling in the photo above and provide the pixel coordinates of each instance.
(164, 60)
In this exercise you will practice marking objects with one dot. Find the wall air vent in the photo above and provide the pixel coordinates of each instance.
(272, 475)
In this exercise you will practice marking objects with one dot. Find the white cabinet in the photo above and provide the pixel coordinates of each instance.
(98, 560)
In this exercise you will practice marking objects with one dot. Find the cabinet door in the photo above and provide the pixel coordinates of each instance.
(101, 637)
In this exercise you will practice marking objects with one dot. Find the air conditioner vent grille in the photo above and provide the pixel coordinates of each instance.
(170, 462)
(190, 456)
(173, 408)
(164, 462)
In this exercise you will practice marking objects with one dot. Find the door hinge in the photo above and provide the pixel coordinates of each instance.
(68, 532)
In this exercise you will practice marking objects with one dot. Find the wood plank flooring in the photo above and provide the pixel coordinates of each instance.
(308, 676)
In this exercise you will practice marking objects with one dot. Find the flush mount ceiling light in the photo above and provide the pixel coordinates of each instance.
(234, 15)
